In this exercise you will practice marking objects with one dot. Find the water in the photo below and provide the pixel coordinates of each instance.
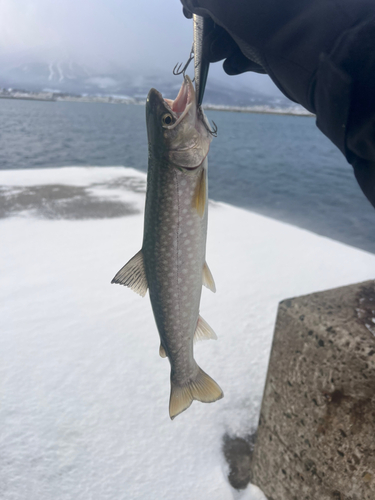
(280, 166)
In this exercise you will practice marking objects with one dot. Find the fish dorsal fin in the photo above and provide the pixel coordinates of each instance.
(162, 352)
(203, 331)
(133, 275)
(200, 198)
(207, 278)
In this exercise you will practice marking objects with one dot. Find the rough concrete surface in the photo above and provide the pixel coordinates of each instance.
(316, 435)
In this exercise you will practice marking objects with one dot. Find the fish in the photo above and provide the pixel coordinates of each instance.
(171, 263)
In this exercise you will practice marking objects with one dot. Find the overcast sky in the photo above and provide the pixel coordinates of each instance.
(141, 36)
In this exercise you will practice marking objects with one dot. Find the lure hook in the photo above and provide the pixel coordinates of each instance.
(212, 131)
(177, 69)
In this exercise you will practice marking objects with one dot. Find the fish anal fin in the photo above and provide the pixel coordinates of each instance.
(203, 331)
(133, 275)
(200, 198)
(207, 278)
(162, 352)
(202, 388)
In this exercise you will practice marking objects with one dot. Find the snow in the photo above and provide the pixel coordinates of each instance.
(83, 391)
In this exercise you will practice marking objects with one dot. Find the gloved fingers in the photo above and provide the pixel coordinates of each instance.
(189, 8)
(237, 63)
(218, 44)
(187, 13)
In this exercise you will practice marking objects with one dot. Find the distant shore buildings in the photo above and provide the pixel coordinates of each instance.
(57, 96)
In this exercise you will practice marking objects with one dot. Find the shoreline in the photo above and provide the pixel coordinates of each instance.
(259, 109)
(266, 109)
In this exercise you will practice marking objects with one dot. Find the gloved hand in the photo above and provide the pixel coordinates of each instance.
(320, 53)
(218, 45)
(284, 38)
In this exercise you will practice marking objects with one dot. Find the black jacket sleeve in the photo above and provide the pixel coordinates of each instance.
(345, 100)
(320, 53)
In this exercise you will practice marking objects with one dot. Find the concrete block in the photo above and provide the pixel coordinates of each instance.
(316, 435)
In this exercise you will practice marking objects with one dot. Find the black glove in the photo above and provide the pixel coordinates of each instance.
(284, 37)
(218, 45)
(320, 53)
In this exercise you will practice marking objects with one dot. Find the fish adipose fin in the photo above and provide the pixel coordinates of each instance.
(162, 352)
(203, 331)
(203, 388)
(201, 194)
(133, 275)
(207, 279)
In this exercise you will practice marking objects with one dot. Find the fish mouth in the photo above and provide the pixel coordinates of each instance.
(184, 101)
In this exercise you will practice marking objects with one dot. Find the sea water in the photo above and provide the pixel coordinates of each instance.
(277, 165)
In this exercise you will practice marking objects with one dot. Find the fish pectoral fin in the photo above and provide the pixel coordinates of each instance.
(203, 388)
(203, 331)
(133, 275)
(162, 352)
(207, 278)
(200, 197)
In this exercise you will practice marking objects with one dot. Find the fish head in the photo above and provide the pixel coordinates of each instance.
(178, 131)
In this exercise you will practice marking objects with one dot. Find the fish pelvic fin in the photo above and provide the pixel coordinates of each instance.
(203, 331)
(200, 198)
(202, 388)
(133, 275)
(207, 278)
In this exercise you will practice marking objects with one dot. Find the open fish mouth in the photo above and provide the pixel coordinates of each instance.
(181, 107)
(184, 101)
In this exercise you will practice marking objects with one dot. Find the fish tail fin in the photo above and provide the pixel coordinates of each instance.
(202, 388)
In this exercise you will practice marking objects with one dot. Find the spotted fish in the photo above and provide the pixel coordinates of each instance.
(171, 263)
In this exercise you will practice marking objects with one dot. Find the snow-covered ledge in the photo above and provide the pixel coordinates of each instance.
(317, 425)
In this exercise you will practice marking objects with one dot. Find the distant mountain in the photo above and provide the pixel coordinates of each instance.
(66, 76)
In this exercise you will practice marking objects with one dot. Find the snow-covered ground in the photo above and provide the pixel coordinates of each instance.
(83, 391)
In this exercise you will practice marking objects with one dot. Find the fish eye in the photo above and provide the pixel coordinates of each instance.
(167, 119)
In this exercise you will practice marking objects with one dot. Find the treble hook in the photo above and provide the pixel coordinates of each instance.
(212, 131)
(177, 69)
